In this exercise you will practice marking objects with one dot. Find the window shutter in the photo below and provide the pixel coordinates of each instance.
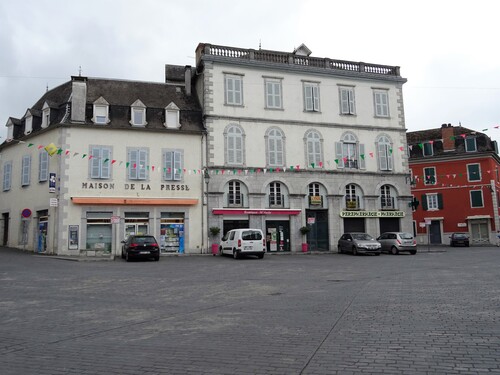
(279, 151)
(269, 92)
(237, 91)
(230, 148)
(168, 165)
(43, 172)
(389, 157)
(143, 160)
(424, 202)
(105, 166)
(352, 104)
(382, 157)
(238, 147)
(25, 179)
(7, 175)
(361, 160)
(344, 101)
(177, 165)
(95, 162)
(134, 165)
(316, 97)
(440, 201)
(310, 151)
(308, 94)
(229, 90)
(338, 154)
(272, 151)
(277, 95)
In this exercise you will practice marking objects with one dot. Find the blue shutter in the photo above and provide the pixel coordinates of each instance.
(95, 162)
(26, 170)
(168, 165)
(133, 160)
(177, 165)
(7, 176)
(43, 171)
(105, 166)
(338, 154)
(143, 160)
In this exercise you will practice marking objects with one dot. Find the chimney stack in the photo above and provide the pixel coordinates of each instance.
(447, 133)
(187, 80)
(78, 98)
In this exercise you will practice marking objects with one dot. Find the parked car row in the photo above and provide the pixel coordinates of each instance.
(363, 243)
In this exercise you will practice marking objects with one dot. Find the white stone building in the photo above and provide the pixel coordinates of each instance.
(127, 158)
(298, 141)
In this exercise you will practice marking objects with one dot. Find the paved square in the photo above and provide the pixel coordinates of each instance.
(432, 313)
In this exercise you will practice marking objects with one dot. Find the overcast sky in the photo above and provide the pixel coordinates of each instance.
(448, 50)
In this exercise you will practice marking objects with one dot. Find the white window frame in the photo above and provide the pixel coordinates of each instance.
(471, 200)
(275, 191)
(100, 114)
(347, 100)
(28, 124)
(233, 89)
(384, 153)
(140, 158)
(311, 97)
(314, 149)
(234, 142)
(432, 202)
(173, 161)
(469, 175)
(26, 170)
(381, 102)
(7, 176)
(234, 194)
(138, 108)
(172, 116)
(425, 176)
(45, 115)
(350, 149)
(427, 146)
(98, 168)
(43, 166)
(275, 148)
(273, 93)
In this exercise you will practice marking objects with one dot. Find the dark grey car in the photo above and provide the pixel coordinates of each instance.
(358, 243)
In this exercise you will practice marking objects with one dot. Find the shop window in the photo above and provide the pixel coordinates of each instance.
(172, 232)
(99, 231)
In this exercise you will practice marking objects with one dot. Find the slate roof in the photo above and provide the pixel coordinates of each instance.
(120, 94)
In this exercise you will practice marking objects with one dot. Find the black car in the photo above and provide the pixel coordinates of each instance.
(143, 246)
(459, 239)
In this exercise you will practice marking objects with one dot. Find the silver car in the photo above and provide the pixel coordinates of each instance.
(358, 243)
(395, 242)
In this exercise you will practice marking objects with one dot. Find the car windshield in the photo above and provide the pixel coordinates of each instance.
(459, 235)
(251, 235)
(144, 240)
(362, 236)
(406, 236)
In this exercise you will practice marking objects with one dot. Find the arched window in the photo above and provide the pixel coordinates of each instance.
(350, 154)
(352, 201)
(275, 148)
(314, 151)
(386, 198)
(276, 197)
(234, 145)
(384, 153)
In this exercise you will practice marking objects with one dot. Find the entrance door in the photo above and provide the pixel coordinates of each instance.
(435, 232)
(137, 229)
(317, 238)
(354, 225)
(5, 221)
(43, 224)
(234, 224)
(390, 224)
(278, 235)
(479, 232)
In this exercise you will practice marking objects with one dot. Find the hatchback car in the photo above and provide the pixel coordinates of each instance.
(358, 243)
(239, 242)
(459, 239)
(143, 246)
(396, 242)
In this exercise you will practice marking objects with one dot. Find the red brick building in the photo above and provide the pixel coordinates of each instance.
(455, 179)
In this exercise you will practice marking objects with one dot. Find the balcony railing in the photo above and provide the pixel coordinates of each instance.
(387, 203)
(352, 202)
(277, 57)
(351, 163)
(235, 200)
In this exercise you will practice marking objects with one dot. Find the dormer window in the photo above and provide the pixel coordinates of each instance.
(138, 114)
(45, 115)
(10, 130)
(172, 116)
(28, 123)
(101, 112)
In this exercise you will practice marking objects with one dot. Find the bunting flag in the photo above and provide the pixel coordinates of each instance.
(51, 149)
(30, 144)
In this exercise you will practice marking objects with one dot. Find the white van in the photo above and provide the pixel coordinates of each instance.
(239, 242)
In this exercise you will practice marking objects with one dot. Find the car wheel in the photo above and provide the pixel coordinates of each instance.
(260, 256)
(354, 250)
(157, 258)
(394, 250)
(340, 250)
(123, 254)
(127, 257)
(236, 254)
(413, 252)
(220, 251)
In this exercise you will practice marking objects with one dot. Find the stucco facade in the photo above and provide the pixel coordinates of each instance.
(259, 99)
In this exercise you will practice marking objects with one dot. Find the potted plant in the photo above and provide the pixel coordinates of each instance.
(304, 230)
(214, 232)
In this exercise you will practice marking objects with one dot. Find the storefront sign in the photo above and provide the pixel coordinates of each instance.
(229, 211)
(372, 214)
(134, 186)
(315, 200)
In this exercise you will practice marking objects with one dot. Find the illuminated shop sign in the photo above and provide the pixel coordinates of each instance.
(372, 214)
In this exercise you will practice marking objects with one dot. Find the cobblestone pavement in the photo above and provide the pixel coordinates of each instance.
(432, 313)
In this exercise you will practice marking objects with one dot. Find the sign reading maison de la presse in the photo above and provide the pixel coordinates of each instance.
(134, 186)
(372, 213)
